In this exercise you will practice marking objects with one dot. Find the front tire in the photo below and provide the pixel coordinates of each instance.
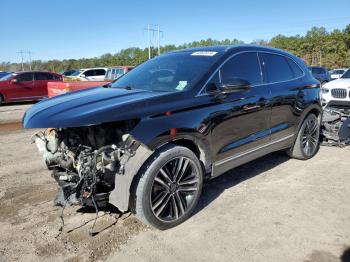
(307, 143)
(169, 187)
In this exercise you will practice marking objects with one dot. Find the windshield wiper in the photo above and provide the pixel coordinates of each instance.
(121, 87)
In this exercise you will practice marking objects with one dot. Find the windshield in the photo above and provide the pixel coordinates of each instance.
(7, 77)
(172, 72)
(70, 72)
(76, 73)
(338, 72)
(346, 74)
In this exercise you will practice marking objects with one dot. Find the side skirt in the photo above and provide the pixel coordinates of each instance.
(228, 163)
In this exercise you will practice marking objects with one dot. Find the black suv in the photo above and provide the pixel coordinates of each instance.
(320, 73)
(148, 141)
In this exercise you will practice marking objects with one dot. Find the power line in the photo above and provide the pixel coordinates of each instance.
(153, 28)
(27, 53)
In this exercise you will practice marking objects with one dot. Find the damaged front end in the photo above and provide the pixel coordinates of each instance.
(335, 129)
(87, 161)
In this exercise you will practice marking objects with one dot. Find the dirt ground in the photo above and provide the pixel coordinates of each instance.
(272, 209)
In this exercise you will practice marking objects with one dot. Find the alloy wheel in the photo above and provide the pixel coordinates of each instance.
(174, 189)
(310, 137)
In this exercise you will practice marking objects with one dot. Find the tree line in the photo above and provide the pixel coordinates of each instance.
(316, 47)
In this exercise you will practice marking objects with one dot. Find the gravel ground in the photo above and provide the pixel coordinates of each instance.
(12, 113)
(272, 209)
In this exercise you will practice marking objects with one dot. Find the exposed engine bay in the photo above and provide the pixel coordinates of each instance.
(85, 160)
(335, 130)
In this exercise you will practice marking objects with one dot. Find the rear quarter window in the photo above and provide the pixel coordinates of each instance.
(276, 68)
(295, 68)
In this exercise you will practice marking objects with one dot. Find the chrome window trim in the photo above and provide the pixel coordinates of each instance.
(203, 93)
(233, 157)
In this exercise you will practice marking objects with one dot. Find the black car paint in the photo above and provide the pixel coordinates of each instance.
(220, 126)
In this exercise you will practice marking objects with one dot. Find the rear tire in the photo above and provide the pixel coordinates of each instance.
(169, 187)
(2, 100)
(307, 142)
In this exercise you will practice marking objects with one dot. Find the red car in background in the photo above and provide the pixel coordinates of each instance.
(26, 86)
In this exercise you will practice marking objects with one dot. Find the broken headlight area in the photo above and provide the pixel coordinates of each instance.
(84, 161)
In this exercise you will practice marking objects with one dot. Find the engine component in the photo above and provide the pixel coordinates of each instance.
(335, 128)
(84, 162)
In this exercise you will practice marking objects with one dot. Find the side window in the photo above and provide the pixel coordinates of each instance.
(276, 68)
(55, 77)
(100, 72)
(120, 72)
(25, 77)
(245, 66)
(43, 76)
(89, 73)
(295, 68)
(317, 70)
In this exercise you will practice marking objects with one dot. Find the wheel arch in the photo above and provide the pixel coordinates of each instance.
(2, 96)
(194, 141)
(312, 109)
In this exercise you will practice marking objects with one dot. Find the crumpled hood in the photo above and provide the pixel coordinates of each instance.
(88, 107)
(338, 83)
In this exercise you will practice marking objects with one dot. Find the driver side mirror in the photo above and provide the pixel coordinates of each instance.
(14, 81)
(82, 75)
(232, 85)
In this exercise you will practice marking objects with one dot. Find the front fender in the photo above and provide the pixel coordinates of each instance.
(157, 131)
(152, 133)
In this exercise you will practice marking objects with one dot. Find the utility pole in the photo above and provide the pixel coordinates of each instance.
(21, 53)
(30, 59)
(158, 40)
(153, 28)
(149, 41)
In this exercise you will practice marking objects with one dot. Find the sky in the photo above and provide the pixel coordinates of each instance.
(60, 29)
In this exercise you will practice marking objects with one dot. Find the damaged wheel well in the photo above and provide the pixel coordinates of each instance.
(200, 151)
(316, 112)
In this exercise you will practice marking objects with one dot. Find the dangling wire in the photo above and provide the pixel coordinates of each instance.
(61, 216)
(91, 232)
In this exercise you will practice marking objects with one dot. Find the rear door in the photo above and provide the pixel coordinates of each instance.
(284, 78)
(23, 88)
(241, 125)
(40, 83)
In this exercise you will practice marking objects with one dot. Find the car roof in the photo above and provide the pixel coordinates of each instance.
(92, 68)
(119, 66)
(232, 48)
(20, 72)
(317, 67)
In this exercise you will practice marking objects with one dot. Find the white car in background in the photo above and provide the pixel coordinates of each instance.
(337, 92)
(337, 73)
(89, 74)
